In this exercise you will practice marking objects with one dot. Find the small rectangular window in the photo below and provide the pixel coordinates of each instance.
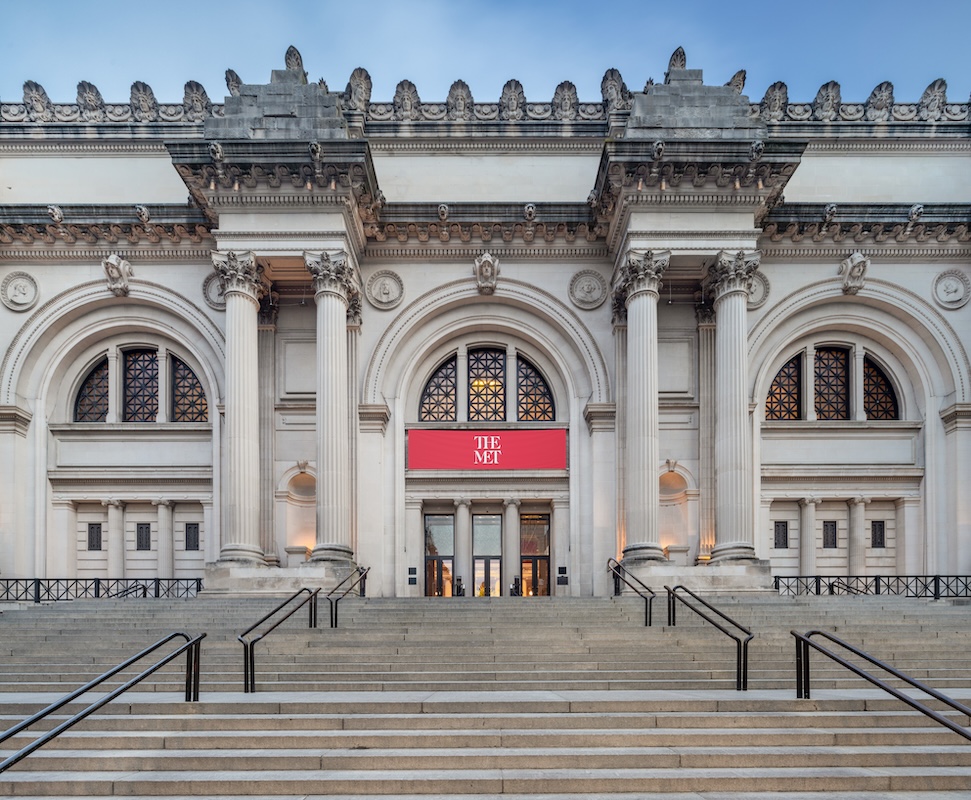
(192, 536)
(829, 534)
(878, 534)
(143, 536)
(781, 535)
(94, 536)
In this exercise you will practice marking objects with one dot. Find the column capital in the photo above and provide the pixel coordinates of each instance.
(331, 273)
(859, 501)
(642, 273)
(511, 501)
(809, 501)
(462, 501)
(113, 503)
(732, 272)
(239, 273)
(163, 503)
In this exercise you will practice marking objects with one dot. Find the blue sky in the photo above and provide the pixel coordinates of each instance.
(858, 43)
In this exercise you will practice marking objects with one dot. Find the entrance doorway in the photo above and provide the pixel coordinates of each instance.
(534, 548)
(439, 553)
(487, 554)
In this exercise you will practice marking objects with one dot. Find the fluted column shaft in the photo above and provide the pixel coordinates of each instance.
(116, 538)
(242, 281)
(462, 566)
(807, 535)
(856, 553)
(641, 282)
(334, 284)
(166, 539)
(734, 526)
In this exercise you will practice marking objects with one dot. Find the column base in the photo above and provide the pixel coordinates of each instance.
(645, 552)
(733, 552)
(336, 553)
(241, 553)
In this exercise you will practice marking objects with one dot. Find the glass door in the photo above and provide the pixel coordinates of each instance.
(487, 554)
(534, 549)
(439, 552)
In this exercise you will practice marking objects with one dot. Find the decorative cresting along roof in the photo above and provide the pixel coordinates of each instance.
(511, 106)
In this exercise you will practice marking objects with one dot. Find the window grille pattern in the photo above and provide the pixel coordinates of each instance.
(94, 536)
(192, 536)
(829, 534)
(832, 383)
(879, 400)
(487, 385)
(785, 394)
(535, 398)
(781, 535)
(92, 400)
(188, 398)
(878, 534)
(143, 536)
(141, 386)
(439, 400)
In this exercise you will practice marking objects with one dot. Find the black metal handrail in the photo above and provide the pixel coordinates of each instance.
(192, 649)
(333, 598)
(741, 644)
(621, 573)
(42, 590)
(804, 642)
(929, 586)
(249, 647)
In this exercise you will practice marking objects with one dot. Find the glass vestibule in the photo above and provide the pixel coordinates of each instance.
(487, 554)
(439, 553)
(534, 538)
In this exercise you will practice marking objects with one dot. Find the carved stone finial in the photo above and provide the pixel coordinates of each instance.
(407, 104)
(233, 82)
(486, 271)
(144, 106)
(678, 60)
(932, 102)
(616, 95)
(853, 270)
(915, 213)
(293, 59)
(880, 103)
(38, 104)
(56, 214)
(565, 102)
(90, 102)
(775, 103)
(737, 81)
(512, 103)
(829, 213)
(459, 102)
(195, 103)
(119, 273)
(141, 212)
(826, 106)
(357, 95)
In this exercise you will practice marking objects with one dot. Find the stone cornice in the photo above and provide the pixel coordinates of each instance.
(456, 251)
(373, 417)
(111, 148)
(14, 420)
(42, 252)
(590, 146)
(600, 416)
(956, 417)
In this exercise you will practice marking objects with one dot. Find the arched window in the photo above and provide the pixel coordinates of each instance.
(832, 388)
(139, 391)
(486, 380)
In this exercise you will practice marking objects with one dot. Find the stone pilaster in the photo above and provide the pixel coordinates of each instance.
(640, 281)
(511, 563)
(706, 430)
(266, 345)
(856, 554)
(807, 535)
(166, 539)
(334, 285)
(116, 538)
(730, 280)
(462, 564)
(243, 287)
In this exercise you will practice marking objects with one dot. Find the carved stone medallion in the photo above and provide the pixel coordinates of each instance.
(952, 289)
(588, 289)
(212, 292)
(19, 291)
(759, 291)
(385, 289)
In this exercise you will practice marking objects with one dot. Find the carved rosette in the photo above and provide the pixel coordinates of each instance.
(239, 273)
(642, 273)
(733, 272)
(331, 273)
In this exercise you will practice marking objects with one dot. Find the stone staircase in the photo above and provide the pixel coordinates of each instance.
(546, 698)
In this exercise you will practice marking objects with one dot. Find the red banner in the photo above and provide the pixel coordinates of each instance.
(478, 449)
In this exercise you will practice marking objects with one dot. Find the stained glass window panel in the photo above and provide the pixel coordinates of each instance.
(535, 397)
(92, 401)
(784, 400)
(832, 383)
(141, 386)
(879, 399)
(439, 399)
(188, 398)
(487, 385)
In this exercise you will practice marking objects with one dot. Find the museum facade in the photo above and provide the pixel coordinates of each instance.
(484, 347)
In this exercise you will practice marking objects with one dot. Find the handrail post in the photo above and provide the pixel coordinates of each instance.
(672, 608)
(36, 590)
(363, 584)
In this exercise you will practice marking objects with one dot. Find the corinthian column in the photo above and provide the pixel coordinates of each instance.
(640, 282)
(334, 285)
(243, 285)
(731, 279)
